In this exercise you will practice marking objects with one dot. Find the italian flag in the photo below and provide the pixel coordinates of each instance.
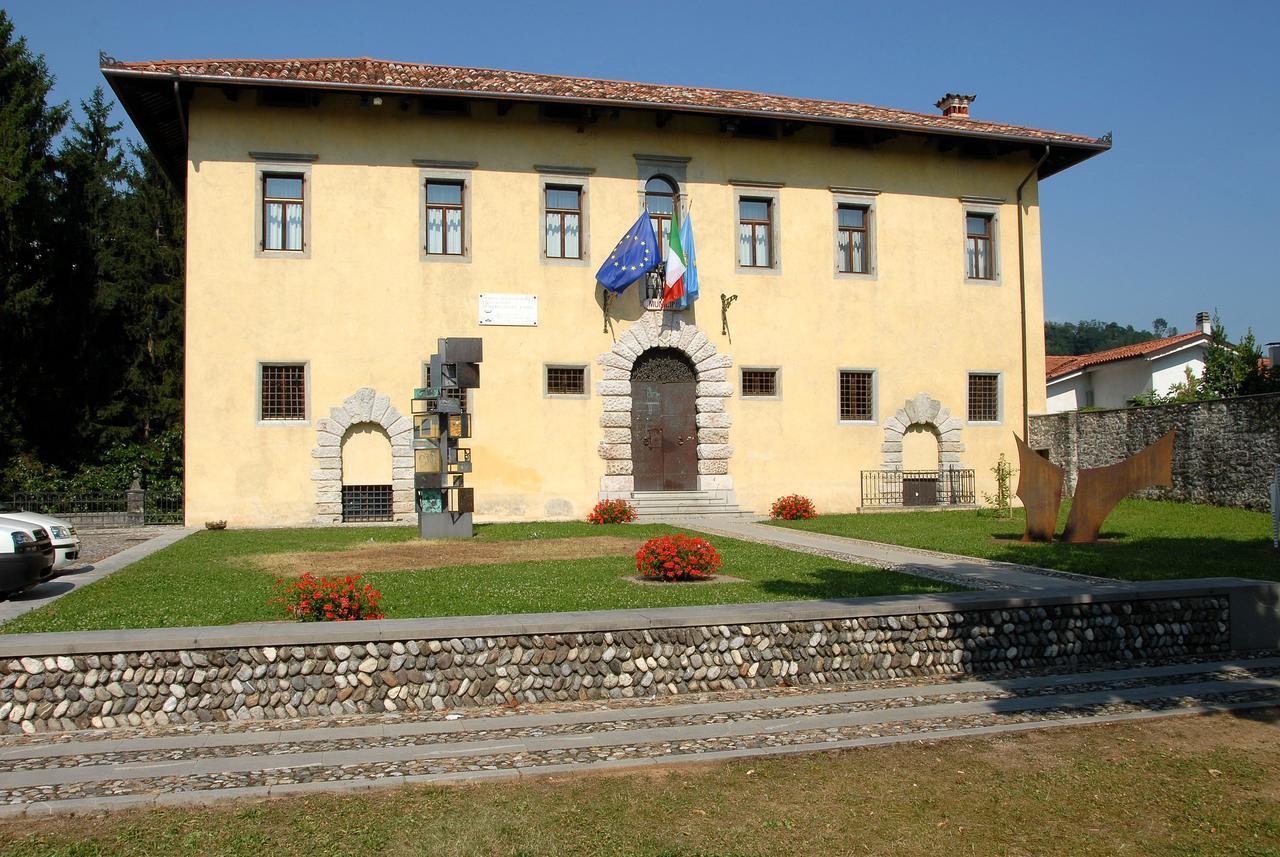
(673, 288)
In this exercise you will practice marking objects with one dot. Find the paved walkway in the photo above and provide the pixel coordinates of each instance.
(966, 571)
(77, 578)
(110, 769)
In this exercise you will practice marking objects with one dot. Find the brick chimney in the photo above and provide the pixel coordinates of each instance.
(1204, 322)
(956, 105)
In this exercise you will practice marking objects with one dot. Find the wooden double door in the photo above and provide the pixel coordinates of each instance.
(664, 432)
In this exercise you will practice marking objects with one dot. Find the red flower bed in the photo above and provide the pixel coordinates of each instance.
(612, 512)
(793, 507)
(324, 599)
(677, 557)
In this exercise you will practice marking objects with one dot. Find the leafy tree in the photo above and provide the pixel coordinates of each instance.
(28, 126)
(1162, 328)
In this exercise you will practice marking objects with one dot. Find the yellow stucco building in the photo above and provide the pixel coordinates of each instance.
(870, 288)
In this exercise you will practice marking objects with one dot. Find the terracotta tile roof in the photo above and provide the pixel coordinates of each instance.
(1057, 366)
(371, 74)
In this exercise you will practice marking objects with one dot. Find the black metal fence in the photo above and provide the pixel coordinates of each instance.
(132, 508)
(916, 488)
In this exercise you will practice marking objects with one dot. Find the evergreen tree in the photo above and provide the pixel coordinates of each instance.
(28, 126)
(140, 296)
(90, 352)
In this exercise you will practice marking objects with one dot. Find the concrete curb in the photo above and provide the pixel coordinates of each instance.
(1256, 600)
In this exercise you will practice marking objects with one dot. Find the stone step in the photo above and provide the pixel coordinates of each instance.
(95, 770)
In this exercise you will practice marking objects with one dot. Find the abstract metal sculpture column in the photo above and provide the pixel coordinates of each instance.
(440, 420)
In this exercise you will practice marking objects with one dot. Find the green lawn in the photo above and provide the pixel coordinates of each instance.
(199, 581)
(1142, 540)
(1178, 787)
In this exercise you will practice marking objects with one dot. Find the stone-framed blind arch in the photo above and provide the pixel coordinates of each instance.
(929, 412)
(365, 405)
(711, 372)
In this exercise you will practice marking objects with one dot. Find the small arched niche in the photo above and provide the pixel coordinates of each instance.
(919, 448)
(366, 474)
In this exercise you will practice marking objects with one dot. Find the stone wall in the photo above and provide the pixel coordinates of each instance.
(52, 682)
(1226, 451)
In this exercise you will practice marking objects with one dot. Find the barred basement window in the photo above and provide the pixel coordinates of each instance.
(566, 381)
(366, 503)
(283, 392)
(984, 398)
(760, 382)
(856, 396)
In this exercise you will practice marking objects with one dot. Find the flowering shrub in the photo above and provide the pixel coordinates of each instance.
(612, 512)
(792, 507)
(324, 599)
(677, 557)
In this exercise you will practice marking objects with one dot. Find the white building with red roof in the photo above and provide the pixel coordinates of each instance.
(1109, 379)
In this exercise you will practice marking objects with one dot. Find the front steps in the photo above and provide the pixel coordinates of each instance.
(661, 505)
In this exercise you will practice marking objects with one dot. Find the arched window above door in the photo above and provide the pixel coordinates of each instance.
(660, 199)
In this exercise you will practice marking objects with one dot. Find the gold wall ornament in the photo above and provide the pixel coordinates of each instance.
(1098, 489)
(1040, 489)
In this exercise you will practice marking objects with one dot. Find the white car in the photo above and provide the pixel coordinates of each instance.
(66, 544)
(26, 556)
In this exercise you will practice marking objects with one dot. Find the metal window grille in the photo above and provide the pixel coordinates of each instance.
(855, 396)
(284, 392)
(366, 503)
(984, 398)
(566, 381)
(759, 382)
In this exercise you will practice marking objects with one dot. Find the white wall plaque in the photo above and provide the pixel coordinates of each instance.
(510, 310)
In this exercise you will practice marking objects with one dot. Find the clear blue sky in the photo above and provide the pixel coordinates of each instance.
(1183, 214)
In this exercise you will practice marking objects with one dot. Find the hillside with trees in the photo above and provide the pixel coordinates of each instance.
(1086, 337)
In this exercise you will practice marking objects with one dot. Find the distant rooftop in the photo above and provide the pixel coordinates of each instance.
(1060, 366)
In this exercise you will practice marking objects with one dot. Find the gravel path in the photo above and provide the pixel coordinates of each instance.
(97, 545)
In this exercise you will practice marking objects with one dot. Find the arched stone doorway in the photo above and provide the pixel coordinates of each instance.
(663, 422)
(711, 388)
(926, 420)
(920, 447)
(364, 406)
(366, 474)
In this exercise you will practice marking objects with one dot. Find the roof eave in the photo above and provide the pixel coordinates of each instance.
(1076, 151)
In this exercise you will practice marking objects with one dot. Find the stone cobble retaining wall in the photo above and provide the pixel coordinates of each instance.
(117, 688)
(1225, 454)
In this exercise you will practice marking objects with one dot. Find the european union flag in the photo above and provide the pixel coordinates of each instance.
(635, 256)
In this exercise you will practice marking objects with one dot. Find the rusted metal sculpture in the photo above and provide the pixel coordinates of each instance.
(1040, 489)
(1098, 489)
